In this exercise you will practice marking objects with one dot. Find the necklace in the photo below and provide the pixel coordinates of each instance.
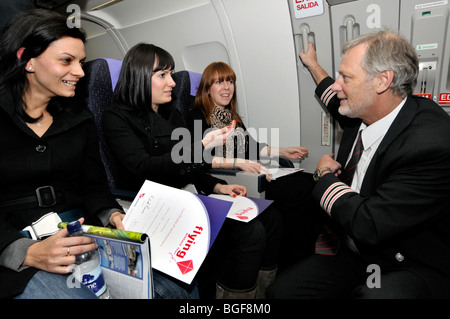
(38, 123)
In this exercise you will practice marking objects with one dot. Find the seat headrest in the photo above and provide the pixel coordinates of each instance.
(195, 81)
(183, 93)
(99, 82)
(114, 70)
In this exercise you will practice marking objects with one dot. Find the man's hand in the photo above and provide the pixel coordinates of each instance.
(328, 161)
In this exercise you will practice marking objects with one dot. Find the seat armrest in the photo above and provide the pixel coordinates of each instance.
(281, 162)
(123, 194)
(254, 182)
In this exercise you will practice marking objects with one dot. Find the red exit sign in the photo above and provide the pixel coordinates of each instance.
(427, 95)
(444, 98)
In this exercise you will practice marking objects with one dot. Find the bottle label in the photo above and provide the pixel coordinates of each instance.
(95, 281)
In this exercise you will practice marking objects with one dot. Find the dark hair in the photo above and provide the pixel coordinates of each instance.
(134, 86)
(33, 30)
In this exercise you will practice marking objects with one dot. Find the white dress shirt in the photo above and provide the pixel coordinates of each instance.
(371, 137)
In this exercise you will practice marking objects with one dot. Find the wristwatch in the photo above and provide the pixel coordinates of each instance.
(318, 173)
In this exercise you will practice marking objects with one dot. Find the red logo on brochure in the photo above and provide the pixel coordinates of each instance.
(185, 266)
(189, 240)
(243, 212)
(141, 195)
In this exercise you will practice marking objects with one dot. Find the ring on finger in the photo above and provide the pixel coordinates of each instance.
(68, 251)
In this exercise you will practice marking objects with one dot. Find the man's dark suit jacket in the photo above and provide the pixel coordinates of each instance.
(401, 217)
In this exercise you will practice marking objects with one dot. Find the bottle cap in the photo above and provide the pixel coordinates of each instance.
(74, 227)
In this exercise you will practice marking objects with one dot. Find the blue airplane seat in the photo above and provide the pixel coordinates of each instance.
(100, 79)
(183, 93)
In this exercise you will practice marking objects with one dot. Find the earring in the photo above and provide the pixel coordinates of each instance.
(30, 68)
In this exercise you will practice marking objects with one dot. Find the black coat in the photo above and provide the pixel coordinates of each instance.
(66, 157)
(401, 217)
(142, 143)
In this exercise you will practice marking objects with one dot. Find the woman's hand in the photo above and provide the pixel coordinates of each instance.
(232, 190)
(218, 137)
(296, 152)
(254, 167)
(56, 253)
(116, 219)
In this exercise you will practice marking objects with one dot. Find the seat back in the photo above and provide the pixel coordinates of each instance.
(183, 94)
(100, 79)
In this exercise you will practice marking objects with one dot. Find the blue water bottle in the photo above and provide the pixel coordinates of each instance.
(88, 270)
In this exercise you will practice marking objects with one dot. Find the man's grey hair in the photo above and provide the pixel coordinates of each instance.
(386, 50)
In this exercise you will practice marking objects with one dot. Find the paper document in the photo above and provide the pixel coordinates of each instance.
(283, 171)
(182, 226)
(244, 209)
